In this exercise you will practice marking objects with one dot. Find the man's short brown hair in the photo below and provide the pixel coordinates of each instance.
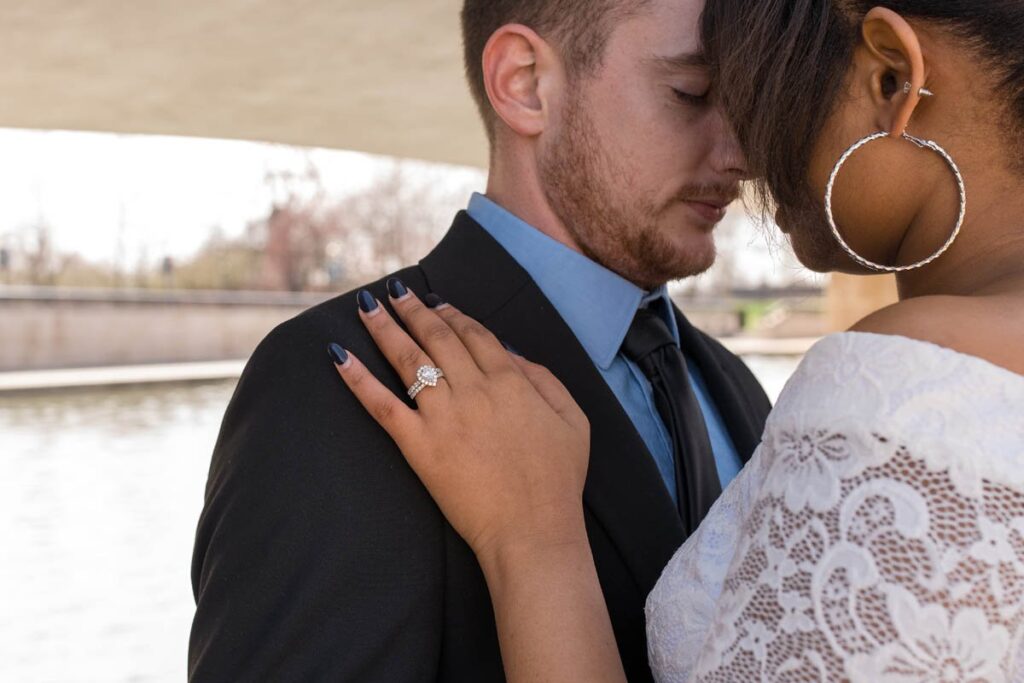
(579, 29)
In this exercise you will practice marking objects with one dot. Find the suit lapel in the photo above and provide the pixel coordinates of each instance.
(727, 395)
(624, 490)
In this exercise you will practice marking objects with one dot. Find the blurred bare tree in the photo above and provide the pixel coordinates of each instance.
(308, 241)
(39, 254)
(391, 224)
(221, 263)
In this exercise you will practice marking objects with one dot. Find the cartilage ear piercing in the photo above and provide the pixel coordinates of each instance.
(923, 92)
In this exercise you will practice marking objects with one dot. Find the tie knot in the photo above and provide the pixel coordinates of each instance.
(647, 334)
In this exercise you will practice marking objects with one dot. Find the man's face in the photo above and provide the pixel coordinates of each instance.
(642, 164)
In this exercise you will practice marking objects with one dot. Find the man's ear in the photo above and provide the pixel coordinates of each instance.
(521, 74)
(894, 60)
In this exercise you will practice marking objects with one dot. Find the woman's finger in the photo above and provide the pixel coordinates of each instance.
(400, 421)
(489, 353)
(551, 390)
(433, 333)
(401, 350)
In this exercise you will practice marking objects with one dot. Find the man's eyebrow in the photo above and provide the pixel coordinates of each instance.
(685, 60)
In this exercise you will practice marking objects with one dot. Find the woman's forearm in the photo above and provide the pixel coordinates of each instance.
(552, 620)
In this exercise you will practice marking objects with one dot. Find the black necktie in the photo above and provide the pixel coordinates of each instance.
(651, 346)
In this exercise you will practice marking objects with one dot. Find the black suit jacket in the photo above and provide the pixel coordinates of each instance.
(320, 556)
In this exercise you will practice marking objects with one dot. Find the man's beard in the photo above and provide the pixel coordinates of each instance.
(613, 222)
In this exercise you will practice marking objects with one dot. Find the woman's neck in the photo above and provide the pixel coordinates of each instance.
(987, 258)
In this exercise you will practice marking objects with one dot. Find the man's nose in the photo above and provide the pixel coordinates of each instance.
(728, 157)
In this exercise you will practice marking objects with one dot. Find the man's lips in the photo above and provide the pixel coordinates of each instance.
(709, 208)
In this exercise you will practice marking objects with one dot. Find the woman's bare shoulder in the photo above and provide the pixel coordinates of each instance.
(987, 327)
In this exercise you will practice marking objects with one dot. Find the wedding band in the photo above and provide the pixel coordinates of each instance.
(426, 376)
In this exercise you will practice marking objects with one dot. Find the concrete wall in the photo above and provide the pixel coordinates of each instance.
(852, 297)
(46, 328)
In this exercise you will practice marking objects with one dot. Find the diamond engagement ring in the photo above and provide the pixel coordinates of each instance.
(426, 376)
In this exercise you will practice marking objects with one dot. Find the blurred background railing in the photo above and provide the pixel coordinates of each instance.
(62, 327)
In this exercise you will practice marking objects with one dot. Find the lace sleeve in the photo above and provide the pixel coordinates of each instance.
(870, 559)
(682, 605)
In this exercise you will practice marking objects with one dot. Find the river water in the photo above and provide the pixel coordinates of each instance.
(100, 491)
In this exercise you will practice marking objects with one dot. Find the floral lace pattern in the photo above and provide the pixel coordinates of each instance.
(876, 536)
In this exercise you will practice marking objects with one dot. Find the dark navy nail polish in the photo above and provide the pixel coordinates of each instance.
(366, 301)
(433, 300)
(510, 349)
(396, 288)
(337, 353)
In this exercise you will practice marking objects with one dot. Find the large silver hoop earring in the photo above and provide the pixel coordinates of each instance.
(924, 144)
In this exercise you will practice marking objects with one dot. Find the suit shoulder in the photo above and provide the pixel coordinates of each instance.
(289, 400)
(334, 320)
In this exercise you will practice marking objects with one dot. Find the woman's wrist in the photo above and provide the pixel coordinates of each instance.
(566, 541)
(552, 619)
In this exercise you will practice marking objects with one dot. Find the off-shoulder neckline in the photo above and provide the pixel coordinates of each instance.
(932, 346)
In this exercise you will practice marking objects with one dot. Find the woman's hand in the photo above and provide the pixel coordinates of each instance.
(499, 442)
(503, 449)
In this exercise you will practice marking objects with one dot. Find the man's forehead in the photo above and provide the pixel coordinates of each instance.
(683, 15)
(672, 33)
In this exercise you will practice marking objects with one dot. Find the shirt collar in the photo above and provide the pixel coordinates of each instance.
(597, 304)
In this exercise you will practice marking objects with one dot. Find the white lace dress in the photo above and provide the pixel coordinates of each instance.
(876, 536)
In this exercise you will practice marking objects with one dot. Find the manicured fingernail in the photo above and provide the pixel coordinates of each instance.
(367, 302)
(396, 288)
(337, 353)
(433, 300)
(511, 350)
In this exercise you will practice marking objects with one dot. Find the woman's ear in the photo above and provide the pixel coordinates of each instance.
(897, 69)
(519, 68)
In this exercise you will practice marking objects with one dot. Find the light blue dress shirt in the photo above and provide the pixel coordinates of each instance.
(598, 306)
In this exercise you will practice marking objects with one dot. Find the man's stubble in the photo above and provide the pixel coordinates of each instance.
(613, 222)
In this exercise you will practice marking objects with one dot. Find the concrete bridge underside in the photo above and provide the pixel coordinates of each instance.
(379, 76)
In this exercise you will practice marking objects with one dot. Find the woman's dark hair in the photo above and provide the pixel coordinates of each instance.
(780, 68)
